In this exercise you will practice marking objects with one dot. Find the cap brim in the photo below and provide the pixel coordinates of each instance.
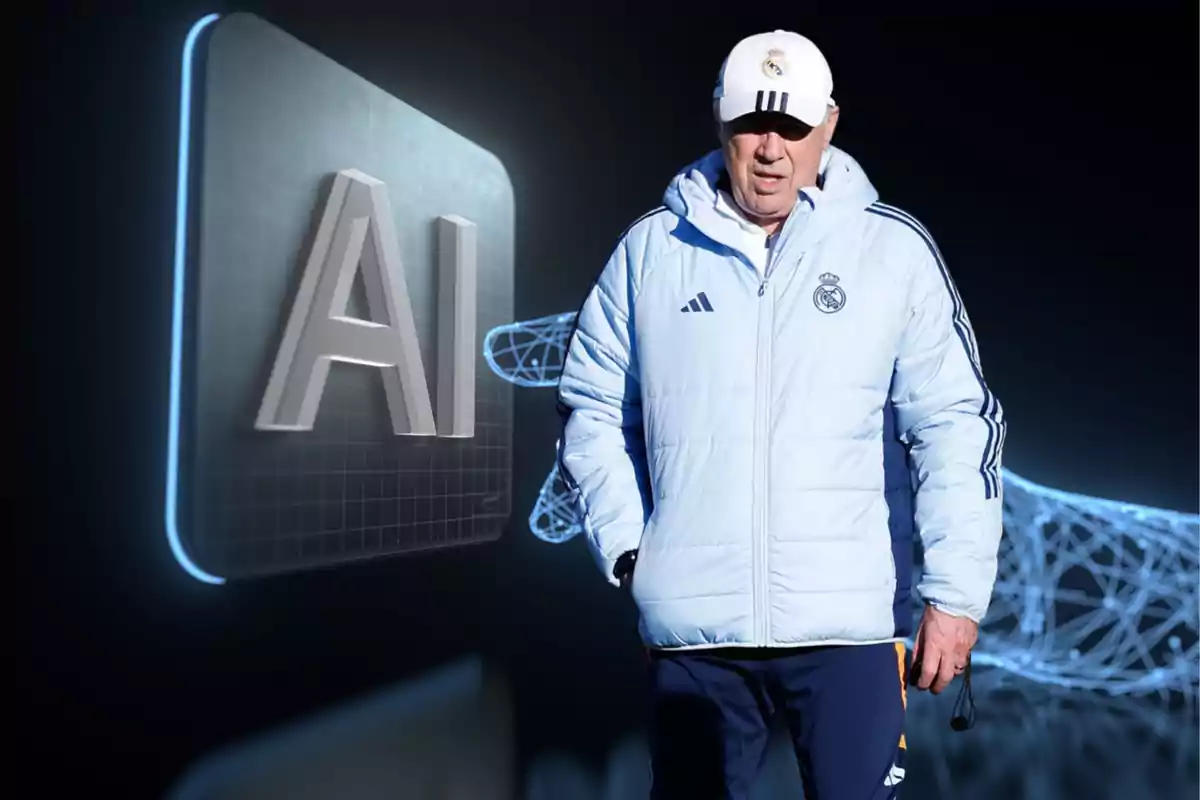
(809, 110)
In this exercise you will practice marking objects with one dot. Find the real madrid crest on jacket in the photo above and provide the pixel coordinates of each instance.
(755, 449)
(829, 297)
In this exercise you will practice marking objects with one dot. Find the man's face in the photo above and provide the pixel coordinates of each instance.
(770, 157)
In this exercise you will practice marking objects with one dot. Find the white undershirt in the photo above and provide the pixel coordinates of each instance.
(756, 244)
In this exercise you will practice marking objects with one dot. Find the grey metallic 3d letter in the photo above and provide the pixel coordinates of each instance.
(456, 240)
(356, 229)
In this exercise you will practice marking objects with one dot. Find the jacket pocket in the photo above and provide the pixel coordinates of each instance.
(645, 558)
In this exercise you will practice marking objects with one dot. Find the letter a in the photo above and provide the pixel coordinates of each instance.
(356, 229)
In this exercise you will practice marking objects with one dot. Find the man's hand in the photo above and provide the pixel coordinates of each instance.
(623, 571)
(942, 647)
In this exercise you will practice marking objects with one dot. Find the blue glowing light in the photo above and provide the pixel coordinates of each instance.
(529, 353)
(177, 304)
(1095, 594)
(1090, 593)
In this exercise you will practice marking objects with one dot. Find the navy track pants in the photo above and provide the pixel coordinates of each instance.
(711, 712)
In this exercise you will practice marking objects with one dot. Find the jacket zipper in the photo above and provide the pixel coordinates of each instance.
(756, 537)
(766, 325)
(766, 473)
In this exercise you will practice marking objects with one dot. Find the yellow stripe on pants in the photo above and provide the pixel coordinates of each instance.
(901, 650)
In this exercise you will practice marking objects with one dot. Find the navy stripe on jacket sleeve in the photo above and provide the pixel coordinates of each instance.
(564, 409)
(988, 411)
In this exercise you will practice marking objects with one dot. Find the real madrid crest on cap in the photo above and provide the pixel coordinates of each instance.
(829, 297)
(774, 65)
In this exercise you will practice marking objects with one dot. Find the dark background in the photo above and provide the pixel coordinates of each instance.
(1053, 157)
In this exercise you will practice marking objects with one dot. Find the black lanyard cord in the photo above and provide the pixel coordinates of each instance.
(964, 712)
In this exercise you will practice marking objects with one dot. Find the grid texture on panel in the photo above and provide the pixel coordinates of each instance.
(350, 488)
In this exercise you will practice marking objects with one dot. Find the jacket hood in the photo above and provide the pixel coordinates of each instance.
(693, 195)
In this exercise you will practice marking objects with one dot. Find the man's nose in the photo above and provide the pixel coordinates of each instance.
(770, 146)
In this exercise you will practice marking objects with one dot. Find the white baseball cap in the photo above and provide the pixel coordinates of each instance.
(780, 71)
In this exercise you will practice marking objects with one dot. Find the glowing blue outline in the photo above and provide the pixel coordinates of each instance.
(1135, 509)
(185, 121)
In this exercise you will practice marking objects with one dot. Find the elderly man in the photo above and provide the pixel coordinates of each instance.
(772, 382)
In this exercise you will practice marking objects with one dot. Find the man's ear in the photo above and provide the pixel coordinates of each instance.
(831, 121)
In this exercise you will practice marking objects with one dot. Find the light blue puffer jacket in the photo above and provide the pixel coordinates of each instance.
(765, 435)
